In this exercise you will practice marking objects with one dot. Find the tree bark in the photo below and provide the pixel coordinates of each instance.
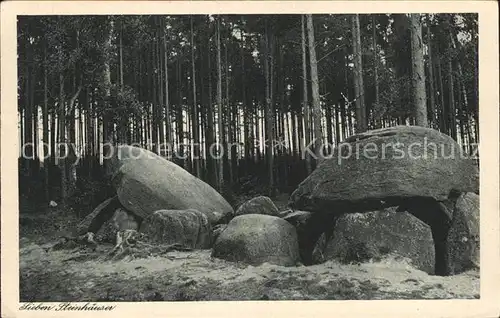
(443, 121)
(209, 133)
(45, 126)
(220, 177)
(316, 103)
(168, 117)
(269, 112)
(154, 96)
(62, 136)
(337, 123)
(246, 130)
(451, 95)
(108, 139)
(28, 114)
(34, 119)
(375, 70)
(432, 90)
(418, 72)
(196, 139)
(161, 106)
(307, 116)
(228, 122)
(358, 76)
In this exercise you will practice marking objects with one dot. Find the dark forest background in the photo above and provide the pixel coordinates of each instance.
(232, 79)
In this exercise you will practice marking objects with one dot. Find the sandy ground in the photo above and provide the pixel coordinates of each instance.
(79, 275)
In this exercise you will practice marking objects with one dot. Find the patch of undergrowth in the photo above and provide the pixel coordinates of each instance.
(89, 193)
(46, 223)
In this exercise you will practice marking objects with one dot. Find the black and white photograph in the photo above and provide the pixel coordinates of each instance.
(235, 157)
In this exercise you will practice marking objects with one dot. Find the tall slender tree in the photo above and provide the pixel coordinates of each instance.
(358, 76)
(305, 94)
(220, 123)
(269, 135)
(375, 64)
(432, 96)
(196, 139)
(316, 103)
(418, 71)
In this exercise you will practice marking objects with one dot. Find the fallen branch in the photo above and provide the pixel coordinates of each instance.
(130, 242)
(70, 242)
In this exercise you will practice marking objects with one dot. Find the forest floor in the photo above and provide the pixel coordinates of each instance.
(84, 275)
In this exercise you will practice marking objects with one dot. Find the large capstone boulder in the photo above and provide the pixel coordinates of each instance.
(380, 168)
(258, 205)
(146, 182)
(463, 238)
(370, 236)
(255, 239)
(417, 169)
(189, 228)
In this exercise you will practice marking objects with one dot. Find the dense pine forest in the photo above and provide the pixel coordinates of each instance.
(244, 102)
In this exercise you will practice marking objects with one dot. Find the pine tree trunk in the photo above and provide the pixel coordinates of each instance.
(418, 72)
(432, 90)
(196, 139)
(358, 76)
(209, 132)
(34, 108)
(228, 120)
(443, 122)
(220, 171)
(45, 127)
(153, 97)
(295, 135)
(161, 107)
(81, 129)
(451, 95)
(28, 116)
(168, 114)
(257, 132)
(108, 128)
(344, 106)
(337, 123)
(180, 116)
(62, 139)
(300, 135)
(288, 128)
(329, 125)
(70, 165)
(307, 116)
(268, 111)
(72, 116)
(89, 122)
(246, 130)
(461, 116)
(281, 119)
(53, 135)
(375, 70)
(120, 54)
(318, 133)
